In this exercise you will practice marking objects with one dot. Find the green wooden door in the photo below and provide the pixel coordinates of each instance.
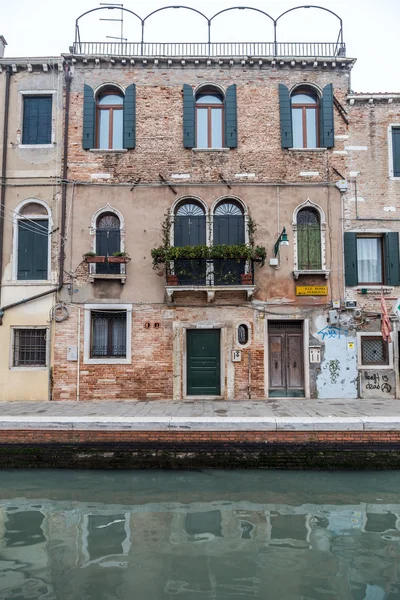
(203, 362)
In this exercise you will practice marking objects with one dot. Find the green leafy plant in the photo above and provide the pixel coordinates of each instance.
(237, 252)
(118, 254)
(89, 254)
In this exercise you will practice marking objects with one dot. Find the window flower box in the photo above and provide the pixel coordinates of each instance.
(118, 259)
(92, 258)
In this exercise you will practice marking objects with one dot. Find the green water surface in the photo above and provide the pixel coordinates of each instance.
(207, 535)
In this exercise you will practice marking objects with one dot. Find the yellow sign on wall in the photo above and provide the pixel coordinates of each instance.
(311, 290)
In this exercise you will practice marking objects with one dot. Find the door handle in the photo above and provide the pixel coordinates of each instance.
(276, 364)
(294, 364)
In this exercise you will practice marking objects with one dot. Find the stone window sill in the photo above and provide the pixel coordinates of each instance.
(37, 146)
(108, 150)
(307, 149)
(324, 272)
(30, 282)
(110, 277)
(210, 149)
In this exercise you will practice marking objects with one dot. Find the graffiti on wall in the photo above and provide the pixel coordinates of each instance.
(377, 384)
(331, 332)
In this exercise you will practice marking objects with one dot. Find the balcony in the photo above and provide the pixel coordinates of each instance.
(107, 267)
(185, 50)
(211, 276)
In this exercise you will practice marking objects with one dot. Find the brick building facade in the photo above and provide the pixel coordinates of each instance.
(180, 172)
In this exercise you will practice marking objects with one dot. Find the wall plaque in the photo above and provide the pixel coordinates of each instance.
(311, 290)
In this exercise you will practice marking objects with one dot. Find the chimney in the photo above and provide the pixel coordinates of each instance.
(3, 45)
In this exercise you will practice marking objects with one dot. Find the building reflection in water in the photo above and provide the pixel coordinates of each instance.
(211, 550)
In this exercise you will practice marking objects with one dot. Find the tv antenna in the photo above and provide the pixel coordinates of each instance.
(111, 6)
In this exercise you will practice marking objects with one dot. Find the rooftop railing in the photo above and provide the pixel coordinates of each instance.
(212, 49)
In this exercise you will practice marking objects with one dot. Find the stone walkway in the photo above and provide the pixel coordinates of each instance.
(204, 415)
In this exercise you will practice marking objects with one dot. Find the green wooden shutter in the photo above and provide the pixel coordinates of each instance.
(231, 137)
(188, 116)
(308, 247)
(89, 118)
(392, 270)
(396, 151)
(36, 125)
(32, 249)
(350, 258)
(130, 117)
(327, 132)
(285, 109)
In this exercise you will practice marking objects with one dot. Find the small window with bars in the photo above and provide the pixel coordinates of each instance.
(374, 351)
(30, 348)
(108, 334)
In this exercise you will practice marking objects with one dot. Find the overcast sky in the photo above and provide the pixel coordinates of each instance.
(371, 29)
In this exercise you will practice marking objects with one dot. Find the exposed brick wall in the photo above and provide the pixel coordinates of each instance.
(276, 450)
(159, 126)
(150, 376)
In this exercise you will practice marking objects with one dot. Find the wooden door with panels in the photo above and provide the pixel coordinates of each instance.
(286, 360)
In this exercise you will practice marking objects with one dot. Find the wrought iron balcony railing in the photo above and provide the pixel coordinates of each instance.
(223, 272)
(212, 49)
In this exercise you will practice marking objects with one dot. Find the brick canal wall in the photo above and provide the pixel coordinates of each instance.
(194, 449)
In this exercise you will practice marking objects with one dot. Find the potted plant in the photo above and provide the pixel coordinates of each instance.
(246, 278)
(92, 257)
(118, 257)
(172, 279)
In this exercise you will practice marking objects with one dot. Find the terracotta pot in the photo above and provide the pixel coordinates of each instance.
(117, 259)
(95, 259)
(172, 279)
(247, 278)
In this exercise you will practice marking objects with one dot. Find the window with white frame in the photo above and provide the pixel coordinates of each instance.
(374, 351)
(29, 347)
(107, 334)
(32, 242)
(37, 119)
(394, 151)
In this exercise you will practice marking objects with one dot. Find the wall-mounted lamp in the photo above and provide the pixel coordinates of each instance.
(281, 241)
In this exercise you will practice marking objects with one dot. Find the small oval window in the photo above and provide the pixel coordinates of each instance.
(243, 334)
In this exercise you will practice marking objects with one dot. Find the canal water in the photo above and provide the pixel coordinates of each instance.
(206, 535)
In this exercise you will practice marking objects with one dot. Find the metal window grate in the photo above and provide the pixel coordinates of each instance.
(286, 325)
(29, 347)
(374, 351)
(108, 334)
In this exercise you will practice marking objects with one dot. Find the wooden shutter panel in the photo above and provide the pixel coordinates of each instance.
(130, 117)
(32, 250)
(285, 109)
(188, 116)
(327, 132)
(396, 151)
(231, 138)
(392, 269)
(36, 125)
(350, 258)
(89, 117)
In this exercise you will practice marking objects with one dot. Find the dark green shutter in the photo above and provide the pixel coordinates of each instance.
(392, 271)
(36, 126)
(285, 109)
(229, 230)
(190, 231)
(188, 116)
(130, 117)
(350, 258)
(308, 247)
(89, 117)
(327, 132)
(396, 151)
(231, 137)
(33, 249)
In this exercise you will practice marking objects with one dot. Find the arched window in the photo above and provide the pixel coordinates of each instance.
(108, 241)
(209, 118)
(229, 228)
(305, 118)
(308, 240)
(190, 224)
(229, 223)
(32, 242)
(109, 119)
